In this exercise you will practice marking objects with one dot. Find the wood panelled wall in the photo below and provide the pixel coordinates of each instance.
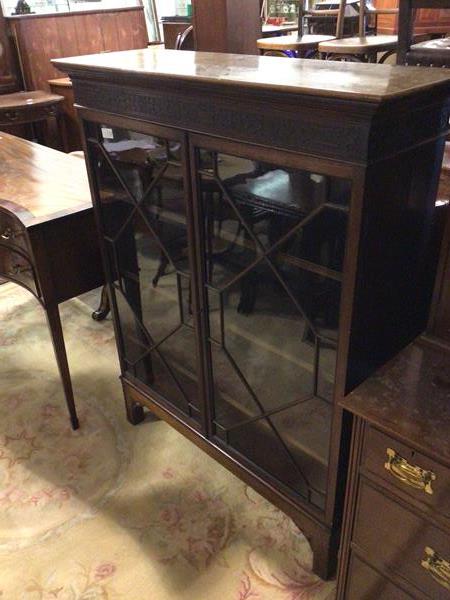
(428, 20)
(39, 38)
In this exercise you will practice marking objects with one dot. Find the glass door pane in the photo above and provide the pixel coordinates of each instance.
(274, 250)
(142, 203)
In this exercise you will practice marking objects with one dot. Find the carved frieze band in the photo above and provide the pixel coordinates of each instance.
(322, 132)
(294, 130)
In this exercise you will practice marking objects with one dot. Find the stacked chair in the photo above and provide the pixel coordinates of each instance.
(363, 47)
(360, 48)
(298, 44)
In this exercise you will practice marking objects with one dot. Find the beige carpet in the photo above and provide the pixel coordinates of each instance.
(114, 511)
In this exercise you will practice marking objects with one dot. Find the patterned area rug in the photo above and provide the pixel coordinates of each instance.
(114, 511)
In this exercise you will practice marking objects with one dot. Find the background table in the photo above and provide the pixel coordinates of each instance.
(35, 109)
(48, 241)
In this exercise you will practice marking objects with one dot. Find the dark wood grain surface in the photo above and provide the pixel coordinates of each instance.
(38, 183)
(410, 398)
(308, 77)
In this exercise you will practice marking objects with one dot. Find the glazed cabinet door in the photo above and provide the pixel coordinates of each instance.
(141, 188)
(273, 238)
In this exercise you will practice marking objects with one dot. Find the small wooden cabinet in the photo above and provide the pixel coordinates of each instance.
(265, 227)
(396, 541)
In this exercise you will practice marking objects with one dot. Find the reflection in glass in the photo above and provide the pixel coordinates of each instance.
(275, 242)
(143, 215)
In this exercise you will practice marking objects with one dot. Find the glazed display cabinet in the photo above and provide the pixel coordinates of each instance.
(265, 228)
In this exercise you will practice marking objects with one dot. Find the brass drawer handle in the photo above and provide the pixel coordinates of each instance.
(438, 568)
(409, 474)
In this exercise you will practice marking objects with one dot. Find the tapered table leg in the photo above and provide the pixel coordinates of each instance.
(54, 323)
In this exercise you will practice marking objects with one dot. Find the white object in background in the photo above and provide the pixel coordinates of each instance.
(181, 8)
(166, 8)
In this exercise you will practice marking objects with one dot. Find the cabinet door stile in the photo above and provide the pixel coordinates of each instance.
(340, 433)
(142, 193)
(200, 244)
(107, 266)
(196, 250)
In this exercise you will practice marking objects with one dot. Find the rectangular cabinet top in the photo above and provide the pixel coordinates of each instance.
(355, 81)
(409, 398)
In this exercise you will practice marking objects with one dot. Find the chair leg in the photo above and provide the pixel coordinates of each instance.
(54, 324)
(163, 264)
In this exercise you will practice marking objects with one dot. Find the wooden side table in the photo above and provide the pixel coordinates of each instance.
(33, 108)
(48, 240)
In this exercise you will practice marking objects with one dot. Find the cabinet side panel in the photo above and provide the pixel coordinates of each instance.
(395, 274)
(210, 25)
(440, 323)
(244, 26)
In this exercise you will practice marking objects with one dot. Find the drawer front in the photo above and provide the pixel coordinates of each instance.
(28, 114)
(414, 474)
(12, 232)
(402, 543)
(364, 583)
(16, 267)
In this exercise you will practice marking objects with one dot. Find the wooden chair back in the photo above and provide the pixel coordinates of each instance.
(361, 19)
(185, 39)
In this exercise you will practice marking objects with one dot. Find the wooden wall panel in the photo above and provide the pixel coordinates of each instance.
(39, 38)
(138, 29)
(432, 20)
(110, 33)
(428, 20)
(387, 23)
(89, 32)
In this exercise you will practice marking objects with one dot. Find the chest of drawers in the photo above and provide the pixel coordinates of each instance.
(396, 541)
